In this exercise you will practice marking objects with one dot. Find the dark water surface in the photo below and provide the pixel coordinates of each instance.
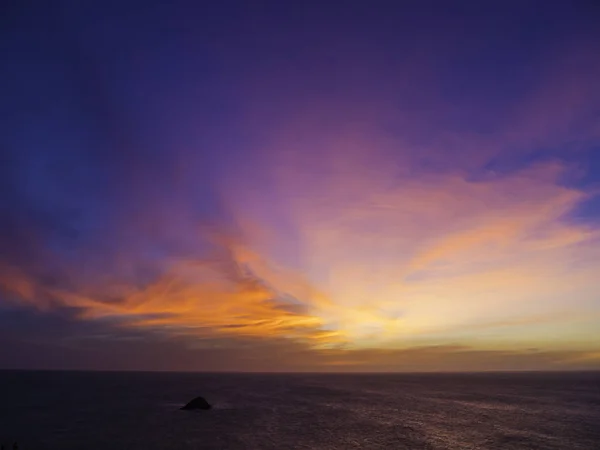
(96, 410)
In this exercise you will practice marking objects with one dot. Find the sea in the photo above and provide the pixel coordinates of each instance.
(140, 411)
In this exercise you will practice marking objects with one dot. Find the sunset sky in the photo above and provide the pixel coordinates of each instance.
(300, 186)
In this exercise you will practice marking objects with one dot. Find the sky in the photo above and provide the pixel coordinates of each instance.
(300, 186)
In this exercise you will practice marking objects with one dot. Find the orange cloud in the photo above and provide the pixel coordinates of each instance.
(207, 297)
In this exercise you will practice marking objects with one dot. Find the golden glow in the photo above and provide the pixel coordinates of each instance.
(425, 260)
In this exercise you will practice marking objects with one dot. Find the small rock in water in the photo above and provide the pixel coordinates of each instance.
(197, 403)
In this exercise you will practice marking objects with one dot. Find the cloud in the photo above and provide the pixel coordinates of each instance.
(382, 265)
(202, 298)
(98, 350)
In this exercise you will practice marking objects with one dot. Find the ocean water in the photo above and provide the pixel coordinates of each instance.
(103, 410)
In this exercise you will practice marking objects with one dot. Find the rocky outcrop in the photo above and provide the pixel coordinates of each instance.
(197, 403)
